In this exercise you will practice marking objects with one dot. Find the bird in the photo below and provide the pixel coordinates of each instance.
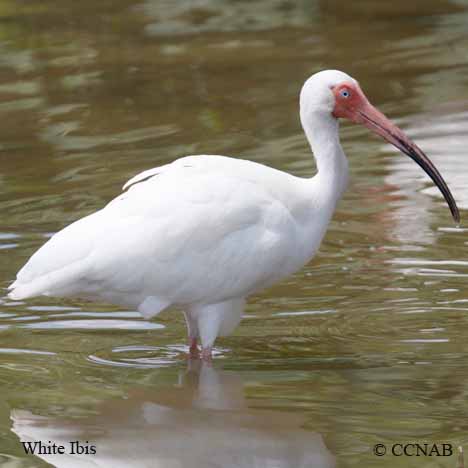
(201, 420)
(205, 232)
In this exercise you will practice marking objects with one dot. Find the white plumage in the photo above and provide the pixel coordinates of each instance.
(202, 230)
(202, 233)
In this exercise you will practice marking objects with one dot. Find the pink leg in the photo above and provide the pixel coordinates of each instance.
(193, 348)
(206, 354)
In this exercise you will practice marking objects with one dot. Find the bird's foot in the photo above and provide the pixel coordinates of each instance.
(206, 354)
(194, 352)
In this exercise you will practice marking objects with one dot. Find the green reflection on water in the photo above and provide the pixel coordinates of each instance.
(366, 345)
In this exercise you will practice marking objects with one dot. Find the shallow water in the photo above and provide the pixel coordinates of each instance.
(365, 345)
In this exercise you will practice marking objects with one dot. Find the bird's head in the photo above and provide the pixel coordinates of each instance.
(334, 95)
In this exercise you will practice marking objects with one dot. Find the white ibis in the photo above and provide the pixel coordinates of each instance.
(205, 232)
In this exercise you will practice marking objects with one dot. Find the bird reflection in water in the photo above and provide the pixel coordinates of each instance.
(203, 421)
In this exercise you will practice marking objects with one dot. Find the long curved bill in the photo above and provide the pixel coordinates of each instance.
(374, 120)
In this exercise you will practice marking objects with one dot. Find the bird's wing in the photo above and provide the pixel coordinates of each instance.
(145, 175)
(201, 228)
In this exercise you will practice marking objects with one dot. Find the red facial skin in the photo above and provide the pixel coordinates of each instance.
(346, 107)
(351, 103)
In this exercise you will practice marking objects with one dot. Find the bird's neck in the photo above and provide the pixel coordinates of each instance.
(331, 179)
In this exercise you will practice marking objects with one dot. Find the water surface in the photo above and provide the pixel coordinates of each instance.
(365, 345)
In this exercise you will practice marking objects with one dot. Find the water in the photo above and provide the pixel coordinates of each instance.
(365, 345)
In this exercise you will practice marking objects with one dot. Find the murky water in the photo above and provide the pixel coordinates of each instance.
(365, 345)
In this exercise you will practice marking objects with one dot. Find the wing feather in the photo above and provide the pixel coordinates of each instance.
(203, 228)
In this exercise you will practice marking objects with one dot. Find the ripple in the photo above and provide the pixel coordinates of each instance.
(8, 236)
(6, 315)
(142, 356)
(98, 314)
(304, 312)
(51, 308)
(8, 246)
(184, 18)
(95, 325)
(25, 318)
(422, 340)
(154, 356)
(25, 351)
(62, 136)
(413, 261)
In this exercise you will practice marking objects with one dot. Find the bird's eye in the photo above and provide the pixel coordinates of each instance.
(345, 93)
